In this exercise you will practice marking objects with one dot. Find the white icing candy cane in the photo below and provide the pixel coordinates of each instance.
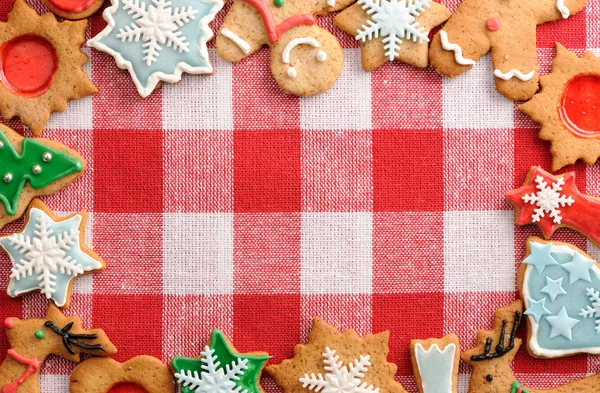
(244, 46)
(565, 12)
(458, 56)
(514, 73)
(285, 56)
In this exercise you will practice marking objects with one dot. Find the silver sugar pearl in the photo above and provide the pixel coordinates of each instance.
(36, 169)
(47, 156)
(8, 177)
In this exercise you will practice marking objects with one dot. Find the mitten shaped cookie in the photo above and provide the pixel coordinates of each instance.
(305, 59)
(508, 29)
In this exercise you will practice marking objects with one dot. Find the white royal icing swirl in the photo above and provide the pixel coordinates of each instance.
(458, 53)
(244, 46)
(514, 74)
(285, 56)
(564, 11)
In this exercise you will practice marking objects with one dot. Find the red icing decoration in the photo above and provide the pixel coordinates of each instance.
(582, 215)
(492, 24)
(9, 323)
(127, 387)
(27, 65)
(33, 365)
(73, 5)
(580, 105)
(276, 31)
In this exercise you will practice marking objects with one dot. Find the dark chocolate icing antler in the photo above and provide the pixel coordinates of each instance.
(501, 350)
(70, 338)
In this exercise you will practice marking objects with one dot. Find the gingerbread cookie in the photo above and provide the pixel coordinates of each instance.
(41, 66)
(568, 108)
(221, 368)
(338, 362)
(553, 202)
(142, 374)
(507, 28)
(48, 254)
(30, 168)
(158, 40)
(392, 30)
(74, 9)
(560, 286)
(492, 357)
(305, 58)
(32, 340)
(435, 364)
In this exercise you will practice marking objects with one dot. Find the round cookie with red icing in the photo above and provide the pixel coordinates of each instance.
(142, 374)
(74, 9)
(568, 108)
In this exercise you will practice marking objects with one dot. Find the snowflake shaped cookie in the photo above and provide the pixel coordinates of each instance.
(334, 362)
(220, 369)
(392, 29)
(592, 311)
(49, 254)
(158, 40)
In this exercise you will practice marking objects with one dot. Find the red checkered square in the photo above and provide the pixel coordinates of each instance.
(342, 311)
(128, 173)
(132, 246)
(198, 171)
(408, 252)
(266, 171)
(479, 168)
(593, 27)
(266, 253)
(406, 97)
(392, 151)
(570, 32)
(336, 171)
(267, 323)
(407, 316)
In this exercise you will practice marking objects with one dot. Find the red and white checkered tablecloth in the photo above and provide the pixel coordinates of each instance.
(221, 202)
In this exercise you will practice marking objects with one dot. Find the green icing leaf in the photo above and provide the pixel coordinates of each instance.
(226, 356)
(57, 165)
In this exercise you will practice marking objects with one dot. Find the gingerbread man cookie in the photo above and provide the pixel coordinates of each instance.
(32, 340)
(32, 167)
(507, 28)
(74, 9)
(392, 30)
(305, 58)
(41, 66)
(568, 108)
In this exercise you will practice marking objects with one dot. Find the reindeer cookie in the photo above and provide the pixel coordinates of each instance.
(491, 359)
(305, 58)
(74, 9)
(568, 108)
(338, 362)
(142, 374)
(435, 364)
(392, 30)
(32, 340)
(507, 28)
(560, 286)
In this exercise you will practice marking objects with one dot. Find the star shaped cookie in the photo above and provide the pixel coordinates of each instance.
(392, 30)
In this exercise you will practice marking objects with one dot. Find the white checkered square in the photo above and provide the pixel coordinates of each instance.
(52, 383)
(200, 102)
(346, 105)
(336, 253)
(471, 100)
(479, 251)
(79, 113)
(198, 253)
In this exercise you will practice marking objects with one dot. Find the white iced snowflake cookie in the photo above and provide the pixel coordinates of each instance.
(158, 40)
(49, 254)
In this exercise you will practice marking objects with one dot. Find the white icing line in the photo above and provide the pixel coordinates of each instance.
(564, 11)
(514, 73)
(285, 56)
(244, 46)
(331, 3)
(458, 56)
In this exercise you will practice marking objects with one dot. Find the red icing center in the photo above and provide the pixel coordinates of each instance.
(28, 63)
(580, 105)
(127, 387)
(492, 24)
(73, 5)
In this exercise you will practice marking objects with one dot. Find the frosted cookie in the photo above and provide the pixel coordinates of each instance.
(158, 40)
(41, 65)
(435, 364)
(505, 27)
(568, 108)
(74, 9)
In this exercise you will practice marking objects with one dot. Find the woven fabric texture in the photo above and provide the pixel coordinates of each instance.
(221, 202)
